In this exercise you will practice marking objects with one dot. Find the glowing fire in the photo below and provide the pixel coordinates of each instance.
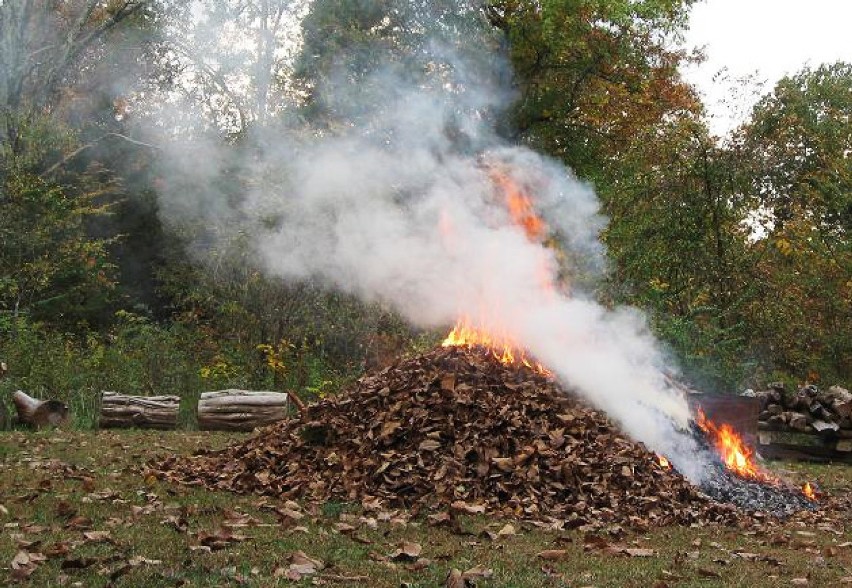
(736, 455)
(464, 334)
(522, 212)
(808, 491)
(663, 462)
(520, 206)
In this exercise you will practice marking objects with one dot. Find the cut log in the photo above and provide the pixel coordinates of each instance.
(144, 412)
(800, 422)
(840, 401)
(39, 413)
(241, 410)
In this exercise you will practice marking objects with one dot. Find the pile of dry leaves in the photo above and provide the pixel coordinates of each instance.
(456, 431)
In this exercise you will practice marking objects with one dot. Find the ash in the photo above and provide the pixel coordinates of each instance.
(722, 485)
(779, 501)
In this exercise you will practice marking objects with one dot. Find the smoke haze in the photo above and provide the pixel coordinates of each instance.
(397, 204)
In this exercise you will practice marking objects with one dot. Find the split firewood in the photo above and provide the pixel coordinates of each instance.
(840, 401)
(39, 413)
(799, 421)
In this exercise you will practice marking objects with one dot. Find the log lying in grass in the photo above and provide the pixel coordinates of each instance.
(39, 413)
(144, 412)
(241, 410)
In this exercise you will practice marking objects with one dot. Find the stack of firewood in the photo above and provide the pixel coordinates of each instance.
(809, 410)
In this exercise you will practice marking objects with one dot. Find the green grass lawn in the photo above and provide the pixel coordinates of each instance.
(77, 510)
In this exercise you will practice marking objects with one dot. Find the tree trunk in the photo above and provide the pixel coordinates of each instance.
(241, 410)
(39, 413)
(144, 412)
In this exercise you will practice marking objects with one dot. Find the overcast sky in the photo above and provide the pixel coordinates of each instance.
(770, 37)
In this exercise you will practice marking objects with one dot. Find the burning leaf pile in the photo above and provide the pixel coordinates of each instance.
(457, 430)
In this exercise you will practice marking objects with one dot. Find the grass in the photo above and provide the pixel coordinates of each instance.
(57, 486)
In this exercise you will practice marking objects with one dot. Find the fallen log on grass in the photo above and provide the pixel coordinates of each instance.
(39, 413)
(241, 410)
(144, 412)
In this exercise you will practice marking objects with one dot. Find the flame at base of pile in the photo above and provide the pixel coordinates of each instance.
(733, 475)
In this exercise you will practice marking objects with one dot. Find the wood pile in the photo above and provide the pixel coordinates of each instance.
(455, 431)
(144, 412)
(241, 410)
(812, 423)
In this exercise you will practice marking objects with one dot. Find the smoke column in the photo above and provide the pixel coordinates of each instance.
(398, 206)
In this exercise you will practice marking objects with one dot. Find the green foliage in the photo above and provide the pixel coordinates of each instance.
(49, 267)
(798, 174)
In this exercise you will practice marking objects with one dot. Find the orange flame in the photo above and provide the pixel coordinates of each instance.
(520, 206)
(808, 491)
(664, 462)
(504, 350)
(736, 455)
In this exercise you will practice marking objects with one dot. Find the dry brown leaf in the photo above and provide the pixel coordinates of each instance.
(97, 536)
(407, 551)
(708, 573)
(552, 554)
(478, 572)
(454, 579)
(639, 552)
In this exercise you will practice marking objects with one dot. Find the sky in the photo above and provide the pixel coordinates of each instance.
(769, 38)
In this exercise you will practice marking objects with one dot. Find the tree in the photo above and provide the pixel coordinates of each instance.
(591, 75)
(797, 148)
(47, 48)
(230, 60)
(49, 267)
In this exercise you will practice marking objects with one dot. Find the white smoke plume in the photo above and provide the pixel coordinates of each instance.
(401, 207)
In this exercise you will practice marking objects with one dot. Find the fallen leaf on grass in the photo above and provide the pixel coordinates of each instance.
(78, 563)
(219, 539)
(97, 536)
(24, 564)
(3, 510)
(178, 523)
(454, 579)
(708, 573)
(638, 552)
(301, 565)
(408, 551)
(139, 560)
(478, 572)
(552, 554)
(65, 510)
(506, 531)
(421, 564)
(462, 506)
(79, 522)
(58, 549)
(799, 582)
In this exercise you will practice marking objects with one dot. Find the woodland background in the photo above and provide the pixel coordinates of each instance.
(737, 247)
